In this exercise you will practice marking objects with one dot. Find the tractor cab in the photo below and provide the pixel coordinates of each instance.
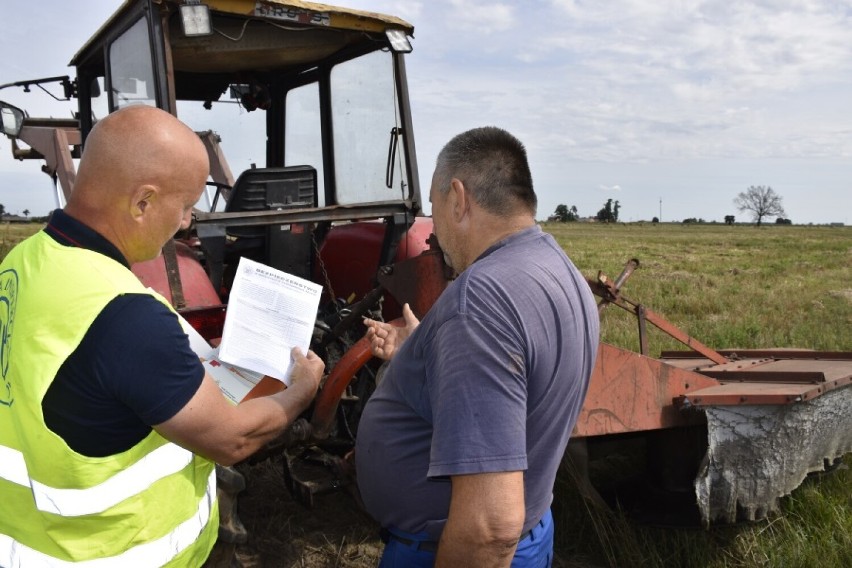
(280, 84)
(304, 111)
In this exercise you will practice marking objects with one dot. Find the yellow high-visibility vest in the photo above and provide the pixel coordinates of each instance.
(152, 505)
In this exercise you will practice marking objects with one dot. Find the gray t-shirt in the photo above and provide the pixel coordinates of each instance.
(492, 380)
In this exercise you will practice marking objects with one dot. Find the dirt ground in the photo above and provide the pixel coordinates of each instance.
(285, 533)
(335, 533)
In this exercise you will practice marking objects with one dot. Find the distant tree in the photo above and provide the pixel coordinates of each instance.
(655, 220)
(2, 209)
(729, 219)
(761, 201)
(783, 221)
(564, 214)
(573, 214)
(690, 221)
(26, 212)
(608, 214)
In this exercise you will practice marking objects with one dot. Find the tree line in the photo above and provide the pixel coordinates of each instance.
(3, 212)
(759, 201)
(607, 214)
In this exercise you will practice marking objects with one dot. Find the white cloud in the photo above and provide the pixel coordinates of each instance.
(480, 17)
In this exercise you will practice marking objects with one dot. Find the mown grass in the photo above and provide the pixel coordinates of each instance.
(13, 233)
(729, 287)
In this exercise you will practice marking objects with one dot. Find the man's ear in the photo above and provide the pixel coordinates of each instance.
(142, 199)
(459, 200)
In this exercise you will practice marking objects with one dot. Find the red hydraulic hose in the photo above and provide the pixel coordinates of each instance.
(341, 375)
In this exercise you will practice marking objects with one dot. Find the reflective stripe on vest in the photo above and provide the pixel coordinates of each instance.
(155, 553)
(13, 467)
(162, 462)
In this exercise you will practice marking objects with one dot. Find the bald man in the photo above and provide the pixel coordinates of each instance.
(109, 425)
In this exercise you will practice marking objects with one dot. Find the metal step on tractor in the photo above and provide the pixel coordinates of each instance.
(321, 93)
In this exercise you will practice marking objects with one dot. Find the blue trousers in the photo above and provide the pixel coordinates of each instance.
(407, 550)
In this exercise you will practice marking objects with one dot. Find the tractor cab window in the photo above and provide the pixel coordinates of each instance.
(368, 153)
(241, 136)
(302, 134)
(98, 101)
(131, 68)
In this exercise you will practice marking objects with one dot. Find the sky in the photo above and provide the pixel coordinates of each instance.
(669, 107)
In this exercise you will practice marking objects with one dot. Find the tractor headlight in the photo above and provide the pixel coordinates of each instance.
(195, 18)
(398, 40)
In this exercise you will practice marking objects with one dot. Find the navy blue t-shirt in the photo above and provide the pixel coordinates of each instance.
(133, 369)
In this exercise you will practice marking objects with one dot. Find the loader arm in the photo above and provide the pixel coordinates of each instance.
(57, 142)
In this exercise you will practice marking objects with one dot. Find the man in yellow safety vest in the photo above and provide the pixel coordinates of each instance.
(109, 425)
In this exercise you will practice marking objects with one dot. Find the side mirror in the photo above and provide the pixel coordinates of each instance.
(12, 119)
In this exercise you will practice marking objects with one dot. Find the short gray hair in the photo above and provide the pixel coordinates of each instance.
(492, 164)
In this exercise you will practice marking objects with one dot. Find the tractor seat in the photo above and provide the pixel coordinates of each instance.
(287, 247)
(271, 189)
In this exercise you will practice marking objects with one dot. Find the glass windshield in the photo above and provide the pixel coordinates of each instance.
(100, 106)
(242, 137)
(131, 68)
(302, 134)
(365, 124)
(364, 115)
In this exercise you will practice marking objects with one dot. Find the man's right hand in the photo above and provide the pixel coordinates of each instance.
(307, 372)
(385, 339)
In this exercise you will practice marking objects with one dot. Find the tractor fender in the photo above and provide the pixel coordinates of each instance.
(197, 290)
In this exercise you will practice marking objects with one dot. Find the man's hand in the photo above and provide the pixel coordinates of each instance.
(385, 339)
(306, 374)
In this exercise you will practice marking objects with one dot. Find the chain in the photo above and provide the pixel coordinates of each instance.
(377, 313)
(325, 273)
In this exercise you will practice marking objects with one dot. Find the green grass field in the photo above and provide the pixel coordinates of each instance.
(13, 233)
(729, 287)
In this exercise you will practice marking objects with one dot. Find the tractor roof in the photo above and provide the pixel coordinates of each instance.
(285, 13)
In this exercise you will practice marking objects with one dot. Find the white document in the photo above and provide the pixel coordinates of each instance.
(234, 382)
(269, 313)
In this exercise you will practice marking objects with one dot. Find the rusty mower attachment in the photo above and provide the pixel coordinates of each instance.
(735, 429)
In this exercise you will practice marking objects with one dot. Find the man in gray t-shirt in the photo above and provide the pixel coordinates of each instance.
(459, 445)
